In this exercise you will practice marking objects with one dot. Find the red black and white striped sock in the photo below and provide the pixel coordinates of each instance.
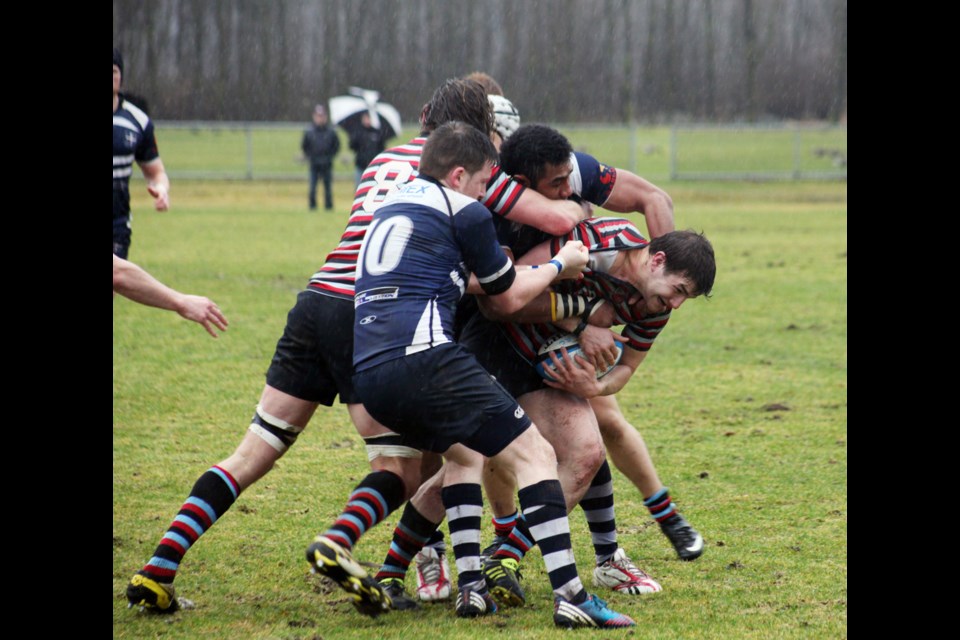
(464, 505)
(410, 535)
(597, 505)
(545, 511)
(376, 497)
(211, 496)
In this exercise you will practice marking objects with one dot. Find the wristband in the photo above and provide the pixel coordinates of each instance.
(580, 327)
(558, 264)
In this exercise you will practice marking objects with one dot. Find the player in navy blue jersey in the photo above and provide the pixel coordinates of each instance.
(133, 140)
(423, 247)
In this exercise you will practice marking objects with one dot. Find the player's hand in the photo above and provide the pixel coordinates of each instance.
(161, 199)
(203, 311)
(599, 345)
(578, 377)
(575, 256)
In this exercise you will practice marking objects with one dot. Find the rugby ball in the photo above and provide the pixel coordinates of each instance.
(544, 365)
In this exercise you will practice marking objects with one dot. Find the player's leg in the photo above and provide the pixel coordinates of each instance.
(569, 426)
(532, 460)
(615, 570)
(463, 501)
(298, 380)
(278, 419)
(629, 453)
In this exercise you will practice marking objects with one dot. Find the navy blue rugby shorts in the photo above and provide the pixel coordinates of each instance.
(439, 397)
(314, 356)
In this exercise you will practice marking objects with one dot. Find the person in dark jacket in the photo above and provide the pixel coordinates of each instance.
(320, 145)
(366, 143)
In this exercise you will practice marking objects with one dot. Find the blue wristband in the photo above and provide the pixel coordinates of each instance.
(558, 265)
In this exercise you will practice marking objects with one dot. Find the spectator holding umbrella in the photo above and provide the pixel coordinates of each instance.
(368, 122)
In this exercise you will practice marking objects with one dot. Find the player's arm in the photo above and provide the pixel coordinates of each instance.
(582, 380)
(632, 193)
(509, 198)
(556, 217)
(158, 184)
(529, 283)
(131, 281)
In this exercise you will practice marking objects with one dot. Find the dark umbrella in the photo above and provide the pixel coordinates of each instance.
(346, 111)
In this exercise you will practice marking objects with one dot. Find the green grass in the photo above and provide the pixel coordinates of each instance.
(766, 487)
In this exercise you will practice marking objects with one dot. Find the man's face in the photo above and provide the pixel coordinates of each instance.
(475, 184)
(319, 119)
(663, 291)
(116, 79)
(554, 182)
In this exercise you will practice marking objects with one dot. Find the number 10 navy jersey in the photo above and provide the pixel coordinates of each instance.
(414, 266)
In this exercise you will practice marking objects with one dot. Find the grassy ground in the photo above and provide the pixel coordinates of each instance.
(743, 403)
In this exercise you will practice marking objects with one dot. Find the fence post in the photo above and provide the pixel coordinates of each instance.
(796, 153)
(249, 152)
(673, 152)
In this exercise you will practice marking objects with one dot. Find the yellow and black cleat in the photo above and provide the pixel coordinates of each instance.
(151, 595)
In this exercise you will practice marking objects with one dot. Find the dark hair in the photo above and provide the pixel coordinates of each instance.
(531, 148)
(457, 99)
(690, 254)
(456, 144)
(118, 59)
(491, 86)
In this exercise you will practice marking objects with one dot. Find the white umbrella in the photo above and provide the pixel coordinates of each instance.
(346, 111)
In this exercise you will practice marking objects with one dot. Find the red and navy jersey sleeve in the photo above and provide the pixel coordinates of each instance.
(502, 193)
(592, 179)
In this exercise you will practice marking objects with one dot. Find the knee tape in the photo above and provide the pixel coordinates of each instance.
(389, 445)
(278, 434)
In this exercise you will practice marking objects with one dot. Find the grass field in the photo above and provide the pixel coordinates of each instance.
(743, 402)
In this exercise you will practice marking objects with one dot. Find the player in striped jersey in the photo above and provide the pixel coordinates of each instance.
(312, 364)
(543, 159)
(536, 157)
(133, 140)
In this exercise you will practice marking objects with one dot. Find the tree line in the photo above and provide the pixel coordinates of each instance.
(646, 61)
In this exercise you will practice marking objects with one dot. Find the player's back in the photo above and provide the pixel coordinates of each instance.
(385, 174)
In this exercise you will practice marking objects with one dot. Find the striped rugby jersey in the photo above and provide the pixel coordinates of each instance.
(133, 140)
(604, 237)
(385, 174)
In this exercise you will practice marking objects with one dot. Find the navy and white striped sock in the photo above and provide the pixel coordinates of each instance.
(597, 505)
(545, 511)
(464, 505)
